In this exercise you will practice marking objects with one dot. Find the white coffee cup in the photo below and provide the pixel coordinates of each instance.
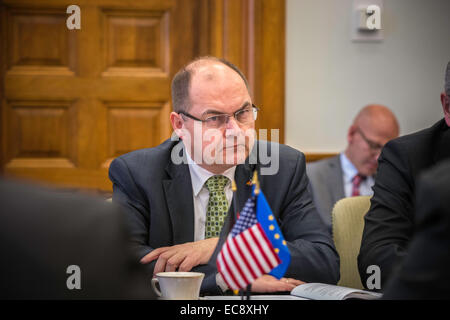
(178, 285)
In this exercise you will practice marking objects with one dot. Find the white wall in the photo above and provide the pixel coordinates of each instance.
(329, 77)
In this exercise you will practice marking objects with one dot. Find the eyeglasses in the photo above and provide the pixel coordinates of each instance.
(372, 144)
(244, 116)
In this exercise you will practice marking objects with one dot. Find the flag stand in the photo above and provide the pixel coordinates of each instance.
(245, 294)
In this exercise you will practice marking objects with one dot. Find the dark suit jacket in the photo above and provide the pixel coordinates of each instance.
(43, 232)
(326, 185)
(424, 273)
(157, 195)
(389, 222)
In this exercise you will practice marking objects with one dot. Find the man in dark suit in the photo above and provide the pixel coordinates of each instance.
(389, 222)
(176, 215)
(352, 172)
(424, 272)
(56, 245)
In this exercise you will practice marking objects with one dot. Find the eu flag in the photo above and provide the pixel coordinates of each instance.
(270, 226)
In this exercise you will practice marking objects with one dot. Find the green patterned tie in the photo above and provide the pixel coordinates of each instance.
(217, 205)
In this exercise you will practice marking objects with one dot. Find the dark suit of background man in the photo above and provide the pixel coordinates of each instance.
(389, 223)
(424, 273)
(43, 232)
(351, 173)
(168, 203)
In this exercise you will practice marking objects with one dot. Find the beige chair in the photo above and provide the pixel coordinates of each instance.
(348, 224)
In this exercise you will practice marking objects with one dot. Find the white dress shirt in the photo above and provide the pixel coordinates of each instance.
(200, 194)
(349, 172)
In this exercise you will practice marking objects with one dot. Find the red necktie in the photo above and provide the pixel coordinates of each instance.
(356, 182)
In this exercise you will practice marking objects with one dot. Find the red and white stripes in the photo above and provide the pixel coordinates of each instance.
(245, 257)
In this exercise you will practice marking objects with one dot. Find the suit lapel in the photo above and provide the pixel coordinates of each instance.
(241, 176)
(179, 199)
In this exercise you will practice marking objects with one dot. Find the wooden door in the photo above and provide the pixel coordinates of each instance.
(73, 100)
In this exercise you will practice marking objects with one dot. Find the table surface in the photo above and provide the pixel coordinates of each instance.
(254, 297)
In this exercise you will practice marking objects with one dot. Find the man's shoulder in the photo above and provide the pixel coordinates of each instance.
(286, 154)
(419, 139)
(321, 172)
(415, 151)
(283, 148)
(276, 159)
(323, 164)
(143, 163)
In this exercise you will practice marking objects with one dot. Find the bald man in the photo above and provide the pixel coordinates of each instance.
(178, 195)
(352, 172)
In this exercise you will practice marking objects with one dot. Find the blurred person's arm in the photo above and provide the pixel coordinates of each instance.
(424, 271)
(388, 224)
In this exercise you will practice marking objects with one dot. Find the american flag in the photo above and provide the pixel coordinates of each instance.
(248, 253)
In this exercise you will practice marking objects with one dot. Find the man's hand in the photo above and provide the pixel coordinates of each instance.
(181, 257)
(268, 283)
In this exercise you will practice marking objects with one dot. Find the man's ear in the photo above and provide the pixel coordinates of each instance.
(351, 133)
(445, 101)
(177, 124)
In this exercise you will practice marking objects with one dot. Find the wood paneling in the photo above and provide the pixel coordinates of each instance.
(72, 100)
(39, 131)
(270, 63)
(133, 126)
(75, 99)
(137, 42)
(250, 34)
(311, 157)
(38, 42)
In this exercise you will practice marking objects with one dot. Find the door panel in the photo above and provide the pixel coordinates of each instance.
(73, 100)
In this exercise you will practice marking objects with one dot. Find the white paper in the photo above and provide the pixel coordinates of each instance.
(321, 291)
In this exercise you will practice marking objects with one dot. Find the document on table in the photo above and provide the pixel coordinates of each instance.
(322, 291)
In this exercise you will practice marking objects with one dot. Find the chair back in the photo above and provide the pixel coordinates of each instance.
(348, 224)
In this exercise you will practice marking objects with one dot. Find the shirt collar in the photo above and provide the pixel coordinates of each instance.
(348, 168)
(199, 175)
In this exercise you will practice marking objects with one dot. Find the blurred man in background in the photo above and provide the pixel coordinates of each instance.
(352, 173)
